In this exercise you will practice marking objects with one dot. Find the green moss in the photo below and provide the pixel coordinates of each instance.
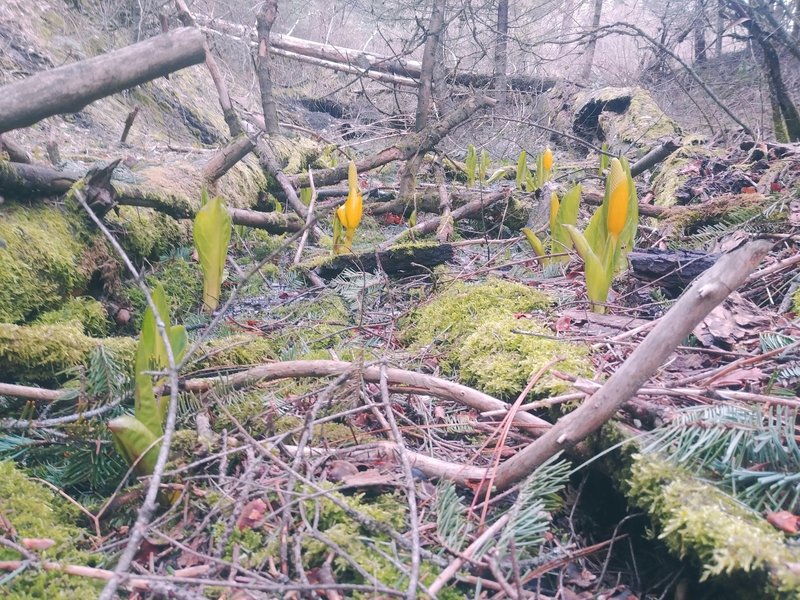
(145, 233)
(88, 311)
(459, 311)
(796, 302)
(673, 173)
(698, 521)
(183, 284)
(41, 353)
(500, 362)
(239, 349)
(40, 260)
(36, 512)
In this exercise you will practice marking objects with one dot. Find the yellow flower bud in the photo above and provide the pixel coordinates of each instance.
(341, 214)
(547, 159)
(353, 206)
(617, 186)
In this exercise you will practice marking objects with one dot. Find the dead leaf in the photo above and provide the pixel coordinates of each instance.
(252, 514)
(784, 521)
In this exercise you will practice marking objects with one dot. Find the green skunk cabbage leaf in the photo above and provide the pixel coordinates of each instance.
(471, 165)
(598, 279)
(132, 440)
(483, 168)
(535, 242)
(212, 234)
(603, 158)
(305, 196)
(522, 169)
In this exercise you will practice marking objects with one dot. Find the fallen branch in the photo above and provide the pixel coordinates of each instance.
(440, 388)
(429, 226)
(70, 88)
(698, 300)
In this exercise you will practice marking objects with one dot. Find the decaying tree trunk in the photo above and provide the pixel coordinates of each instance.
(70, 88)
(400, 261)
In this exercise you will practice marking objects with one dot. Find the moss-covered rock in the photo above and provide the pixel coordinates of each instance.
(700, 522)
(473, 326)
(41, 259)
(622, 116)
(89, 312)
(35, 511)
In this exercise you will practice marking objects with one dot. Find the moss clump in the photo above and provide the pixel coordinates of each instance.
(145, 233)
(699, 521)
(41, 353)
(88, 311)
(36, 512)
(463, 307)
(241, 349)
(40, 260)
(499, 361)
(796, 303)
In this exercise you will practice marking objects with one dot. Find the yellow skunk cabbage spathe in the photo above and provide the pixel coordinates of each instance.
(617, 198)
(349, 214)
(547, 160)
(212, 234)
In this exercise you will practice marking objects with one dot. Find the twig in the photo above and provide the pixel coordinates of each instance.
(310, 216)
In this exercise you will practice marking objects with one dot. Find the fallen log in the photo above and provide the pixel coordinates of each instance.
(33, 182)
(407, 69)
(673, 269)
(70, 88)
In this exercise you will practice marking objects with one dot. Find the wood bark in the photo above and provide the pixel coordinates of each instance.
(70, 88)
(403, 149)
(704, 294)
(265, 20)
(402, 261)
(592, 44)
(700, 32)
(501, 52)
(226, 157)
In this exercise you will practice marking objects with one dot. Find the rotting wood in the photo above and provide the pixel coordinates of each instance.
(409, 259)
(224, 159)
(70, 88)
(704, 294)
(403, 149)
(15, 152)
(670, 268)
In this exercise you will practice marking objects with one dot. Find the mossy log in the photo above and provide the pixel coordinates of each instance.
(34, 182)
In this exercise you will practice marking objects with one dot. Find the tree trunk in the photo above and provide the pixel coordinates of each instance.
(70, 88)
(564, 30)
(264, 23)
(592, 45)
(700, 32)
(720, 29)
(501, 52)
(409, 172)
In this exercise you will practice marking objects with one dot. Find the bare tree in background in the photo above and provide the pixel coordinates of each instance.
(700, 31)
(592, 44)
(501, 51)
(264, 21)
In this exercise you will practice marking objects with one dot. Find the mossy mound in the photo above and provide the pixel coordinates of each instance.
(473, 327)
(673, 173)
(796, 303)
(41, 259)
(87, 311)
(34, 511)
(41, 353)
(499, 360)
(698, 521)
